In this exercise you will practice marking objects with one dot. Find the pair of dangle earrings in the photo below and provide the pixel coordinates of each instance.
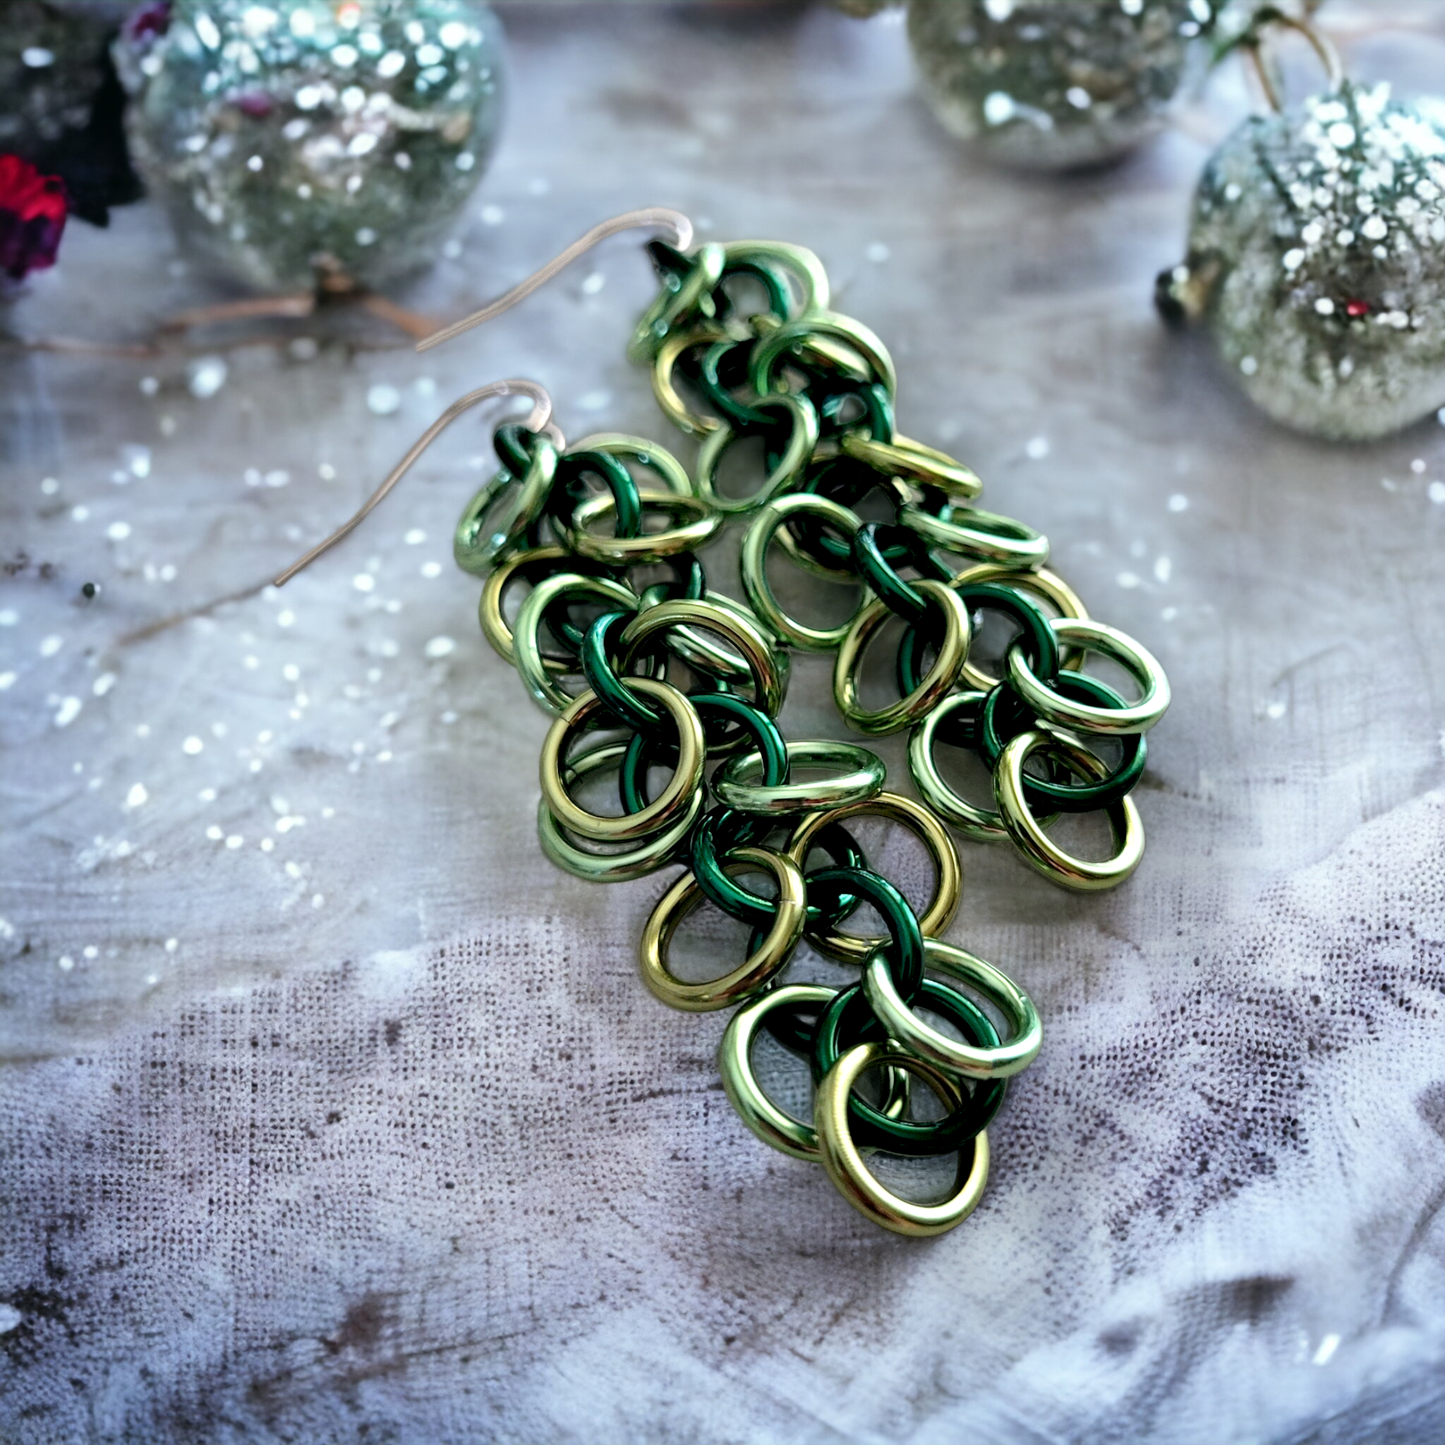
(646, 670)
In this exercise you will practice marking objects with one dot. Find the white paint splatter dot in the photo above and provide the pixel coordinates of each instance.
(1127, 579)
(431, 569)
(441, 647)
(234, 841)
(1436, 492)
(137, 797)
(7, 681)
(65, 963)
(1037, 448)
(1178, 502)
(118, 531)
(1163, 569)
(363, 582)
(192, 746)
(49, 646)
(68, 712)
(383, 399)
(206, 375)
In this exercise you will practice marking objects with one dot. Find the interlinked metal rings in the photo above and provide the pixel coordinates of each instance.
(761, 965)
(952, 651)
(1136, 717)
(768, 677)
(598, 865)
(1001, 1061)
(948, 876)
(737, 784)
(1041, 851)
(531, 666)
(771, 1124)
(851, 501)
(698, 525)
(499, 517)
(754, 563)
(802, 438)
(674, 799)
(844, 1161)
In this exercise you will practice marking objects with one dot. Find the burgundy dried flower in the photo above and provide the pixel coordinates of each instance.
(149, 23)
(33, 208)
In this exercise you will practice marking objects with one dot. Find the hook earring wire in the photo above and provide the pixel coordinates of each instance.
(1254, 40)
(539, 420)
(648, 216)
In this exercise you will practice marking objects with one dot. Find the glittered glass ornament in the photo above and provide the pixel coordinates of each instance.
(300, 143)
(1317, 262)
(1049, 84)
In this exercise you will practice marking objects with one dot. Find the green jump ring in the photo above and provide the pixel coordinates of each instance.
(567, 491)
(1064, 797)
(876, 423)
(878, 574)
(848, 1015)
(709, 852)
(871, 351)
(1040, 640)
(602, 677)
(716, 707)
(717, 391)
(905, 956)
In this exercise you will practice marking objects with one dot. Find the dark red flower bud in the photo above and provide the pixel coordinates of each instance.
(149, 23)
(33, 208)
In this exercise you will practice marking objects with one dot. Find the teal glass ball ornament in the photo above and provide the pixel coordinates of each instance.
(299, 144)
(1053, 84)
(1316, 262)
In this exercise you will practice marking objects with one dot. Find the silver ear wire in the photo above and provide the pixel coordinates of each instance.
(539, 420)
(648, 216)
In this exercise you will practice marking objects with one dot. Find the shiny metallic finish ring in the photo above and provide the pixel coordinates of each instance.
(948, 875)
(952, 653)
(1040, 584)
(982, 824)
(754, 568)
(671, 804)
(497, 519)
(700, 524)
(909, 1031)
(914, 462)
(527, 657)
(844, 1161)
(973, 533)
(1138, 717)
(802, 440)
(732, 624)
(757, 970)
(734, 1056)
(495, 627)
(859, 777)
(619, 866)
(1079, 874)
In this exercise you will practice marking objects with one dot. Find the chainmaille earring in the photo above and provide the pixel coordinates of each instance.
(668, 674)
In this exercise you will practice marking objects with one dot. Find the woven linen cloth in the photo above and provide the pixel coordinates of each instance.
(330, 1112)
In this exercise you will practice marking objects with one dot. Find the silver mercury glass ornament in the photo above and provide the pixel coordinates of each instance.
(1053, 84)
(305, 143)
(1316, 260)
